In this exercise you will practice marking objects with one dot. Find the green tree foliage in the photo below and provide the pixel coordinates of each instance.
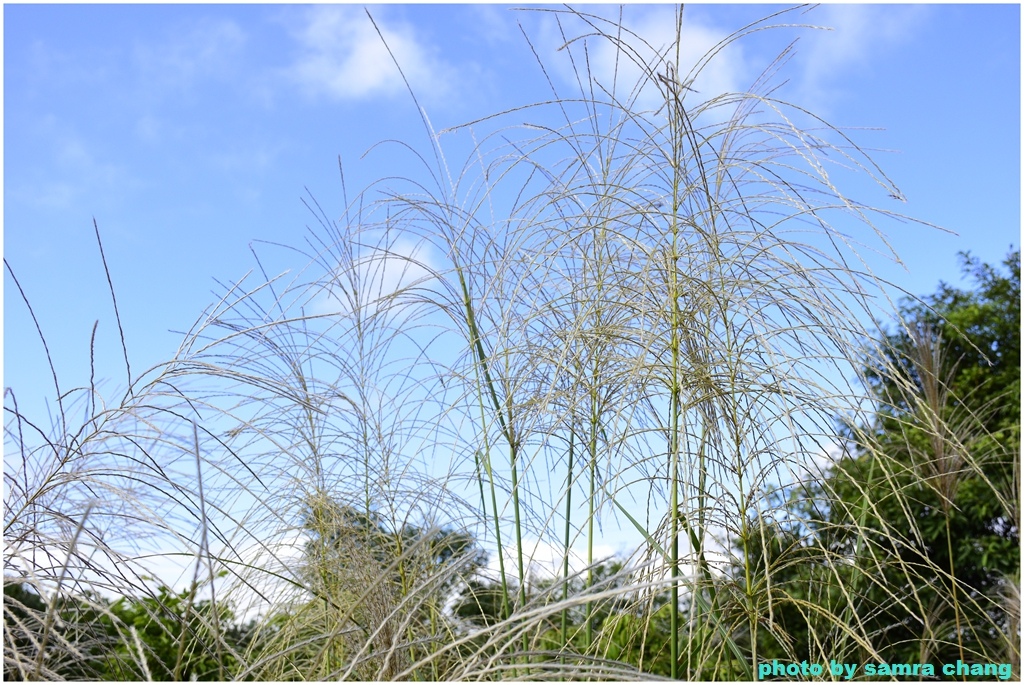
(344, 533)
(178, 635)
(168, 636)
(24, 619)
(480, 603)
(366, 586)
(915, 531)
(947, 441)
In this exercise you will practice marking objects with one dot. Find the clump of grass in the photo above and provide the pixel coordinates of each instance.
(609, 322)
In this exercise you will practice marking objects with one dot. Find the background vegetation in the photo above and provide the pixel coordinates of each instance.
(648, 318)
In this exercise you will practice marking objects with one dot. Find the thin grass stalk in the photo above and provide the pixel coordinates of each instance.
(481, 365)
(591, 509)
(140, 654)
(952, 584)
(506, 427)
(184, 620)
(51, 610)
(860, 548)
(569, 485)
(506, 430)
(674, 387)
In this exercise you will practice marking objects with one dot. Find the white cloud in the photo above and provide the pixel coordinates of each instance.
(544, 560)
(242, 159)
(79, 175)
(269, 567)
(379, 273)
(492, 25)
(209, 49)
(859, 37)
(860, 33)
(547, 560)
(344, 57)
(727, 72)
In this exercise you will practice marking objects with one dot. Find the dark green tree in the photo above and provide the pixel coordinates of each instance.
(370, 596)
(93, 638)
(346, 534)
(183, 638)
(24, 618)
(912, 539)
(930, 488)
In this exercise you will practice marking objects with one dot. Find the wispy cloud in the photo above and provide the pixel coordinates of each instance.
(343, 56)
(625, 69)
(209, 48)
(859, 35)
(545, 561)
(377, 275)
(80, 173)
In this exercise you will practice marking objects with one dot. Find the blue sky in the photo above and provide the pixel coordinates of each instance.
(189, 131)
